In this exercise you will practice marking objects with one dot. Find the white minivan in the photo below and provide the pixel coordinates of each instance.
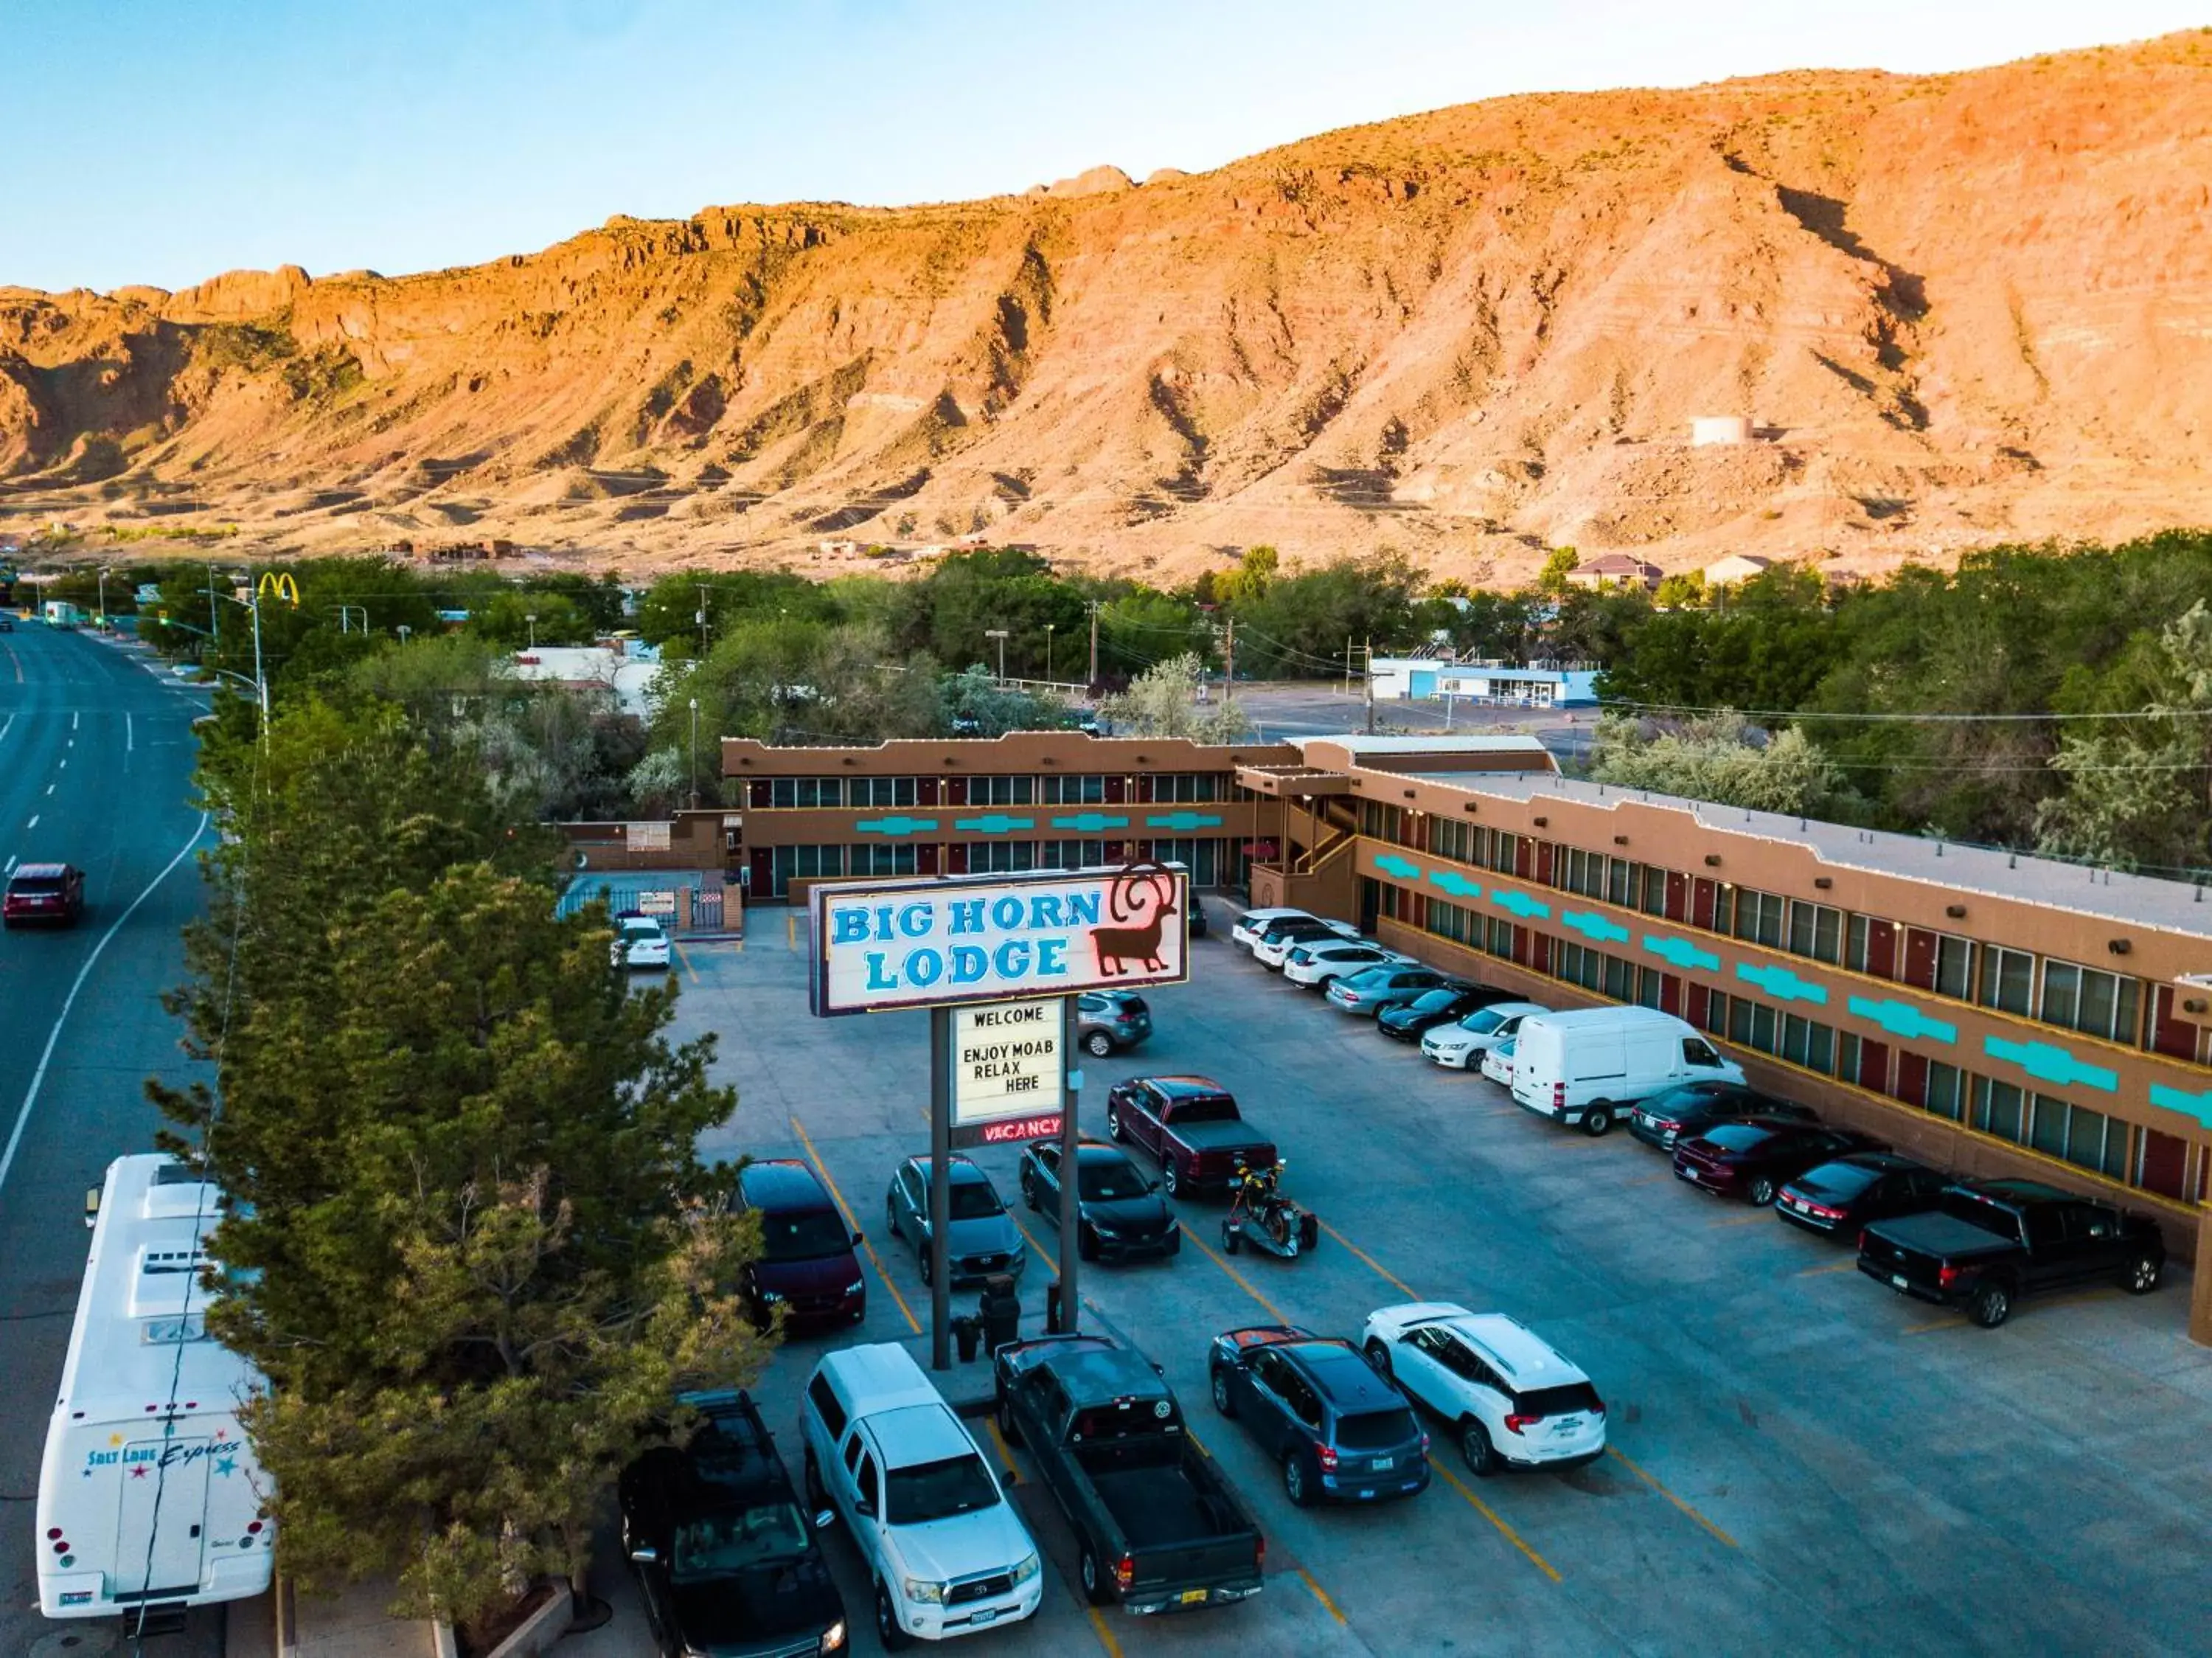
(1591, 1066)
(948, 1554)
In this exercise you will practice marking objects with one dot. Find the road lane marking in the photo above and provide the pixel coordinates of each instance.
(129, 735)
(1389, 1277)
(1319, 1594)
(1105, 1635)
(1637, 1469)
(852, 1225)
(1752, 1219)
(34, 823)
(1938, 1323)
(49, 788)
(1043, 1254)
(1242, 1283)
(54, 1036)
(689, 969)
(1005, 1451)
(10, 869)
(73, 720)
(5, 724)
(1491, 1514)
(1845, 1266)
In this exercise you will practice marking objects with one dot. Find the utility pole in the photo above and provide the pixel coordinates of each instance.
(1228, 671)
(1347, 664)
(999, 634)
(1370, 678)
(215, 614)
(1093, 607)
(701, 620)
(695, 753)
(1047, 653)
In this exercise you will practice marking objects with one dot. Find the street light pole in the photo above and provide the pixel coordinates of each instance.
(103, 595)
(532, 619)
(1047, 653)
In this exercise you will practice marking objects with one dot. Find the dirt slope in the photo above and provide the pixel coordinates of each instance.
(1958, 309)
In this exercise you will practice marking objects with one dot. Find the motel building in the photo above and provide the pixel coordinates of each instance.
(1988, 1013)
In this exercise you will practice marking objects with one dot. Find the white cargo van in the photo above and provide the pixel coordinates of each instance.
(149, 1497)
(1591, 1066)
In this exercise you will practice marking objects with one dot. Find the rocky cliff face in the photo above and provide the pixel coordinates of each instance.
(1956, 309)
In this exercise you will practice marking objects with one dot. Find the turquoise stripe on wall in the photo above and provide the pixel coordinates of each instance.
(2046, 1062)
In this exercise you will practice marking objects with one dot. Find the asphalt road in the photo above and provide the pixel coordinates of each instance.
(1802, 1461)
(96, 760)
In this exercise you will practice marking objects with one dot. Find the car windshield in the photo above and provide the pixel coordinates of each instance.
(1108, 1179)
(1484, 1023)
(1375, 1430)
(1738, 1136)
(1436, 1002)
(1974, 1211)
(802, 1235)
(1559, 1401)
(938, 1490)
(722, 1544)
(974, 1200)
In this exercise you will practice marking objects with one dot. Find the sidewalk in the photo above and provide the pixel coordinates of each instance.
(352, 1623)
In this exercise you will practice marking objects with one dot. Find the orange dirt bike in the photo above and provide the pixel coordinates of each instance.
(1260, 1215)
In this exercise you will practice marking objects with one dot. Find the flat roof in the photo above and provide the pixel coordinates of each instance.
(2143, 901)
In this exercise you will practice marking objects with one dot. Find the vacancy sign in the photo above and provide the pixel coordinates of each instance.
(1009, 1072)
(941, 943)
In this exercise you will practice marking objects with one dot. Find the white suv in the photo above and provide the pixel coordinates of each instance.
(1513, 1401)
(1461, 1046)
(1314, 963)
(947, 1552)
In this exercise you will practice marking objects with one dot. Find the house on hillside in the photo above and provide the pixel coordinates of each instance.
(1737, 567)
(1615, 569)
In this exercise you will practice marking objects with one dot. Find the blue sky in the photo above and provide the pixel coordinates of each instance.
(164, 140)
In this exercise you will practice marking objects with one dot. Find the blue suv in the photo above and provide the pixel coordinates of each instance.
(1341, 1430)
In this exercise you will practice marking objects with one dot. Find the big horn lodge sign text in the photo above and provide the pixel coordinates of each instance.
(941, 943)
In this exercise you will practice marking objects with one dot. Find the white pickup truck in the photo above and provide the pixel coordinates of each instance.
(947, 1552)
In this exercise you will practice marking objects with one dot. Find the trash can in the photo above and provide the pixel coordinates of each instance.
(999, 1312)
(966, 1333)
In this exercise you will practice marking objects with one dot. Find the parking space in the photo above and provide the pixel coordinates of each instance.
(1798, 1458)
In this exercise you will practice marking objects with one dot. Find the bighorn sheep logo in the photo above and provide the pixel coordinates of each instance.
(1141, 898)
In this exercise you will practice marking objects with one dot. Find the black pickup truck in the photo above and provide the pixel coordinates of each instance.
(1158, 1527)
(1989, 1242)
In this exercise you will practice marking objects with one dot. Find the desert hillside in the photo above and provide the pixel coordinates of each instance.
(1955, 309)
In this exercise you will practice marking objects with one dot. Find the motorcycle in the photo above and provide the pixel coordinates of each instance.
(1259, 1214)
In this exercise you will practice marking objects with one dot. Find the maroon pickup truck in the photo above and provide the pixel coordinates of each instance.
(1192, 1125)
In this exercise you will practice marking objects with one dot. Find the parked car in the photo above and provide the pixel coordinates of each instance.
(1370, 990)
(1446, 1004)
(1244, 931)
(1511, 1400)
(43, 894)
(1989, 1242)
(726, 1561)
(806, 1262)
(1191, 1124)
(983, 1240)
(1315, 965)
(1200, 926)
(1337, 1430)
(1300, 929)
(1689, 1110)
(1157, 1527)
(1753, 1158)
(1497, 1062)
(1857, 1190)
(944, 1550)
(1278, 940)
(1591, 1066)
(1106, 1020)
(1461, 1045)
(641, 942)
(1120, 1207)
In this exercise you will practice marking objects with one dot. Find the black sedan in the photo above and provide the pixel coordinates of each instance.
(1121, 1208)
(726, 1558)
(1440, 1006)
(1854, 1191)
(1750, 1159)
(1684, 1112)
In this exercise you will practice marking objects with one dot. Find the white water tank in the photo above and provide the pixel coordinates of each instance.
(1719, 428)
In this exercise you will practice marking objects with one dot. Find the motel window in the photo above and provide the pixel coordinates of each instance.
(1808, 1043)
(1854, 944)
(1816, 930)
(1716, 1013)
(806, 793)
(1500, 937)
(1000, 856)
(2085, 999)
(1073, 792)
(1752, 1025)
(1654, 901)
(1953, 956)
(879, 860)
(1001, 792)
(1758, 917)
(1448, 839)
(1185, 786)
(1503, 850)
(1583, 872)
(2008, 979)
(1998, 1107)
(2047, 1129)
(1071, 854)
(1945, 1089)
(880, 791)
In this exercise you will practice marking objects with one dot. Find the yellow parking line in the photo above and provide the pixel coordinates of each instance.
(1849, 1264)
(1615, 1452)
(846, 1210)
(1005, 1453)
(1105, 1635)
(1242, 1283)
(1049, 1257)
(1752, 1219)
(689, 971)
(1320, 1594)
(1389, 1276)
(1491, 1514)
(1936, 1324)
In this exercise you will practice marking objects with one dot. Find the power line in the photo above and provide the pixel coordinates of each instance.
(1906, 719)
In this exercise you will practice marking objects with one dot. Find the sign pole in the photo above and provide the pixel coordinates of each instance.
(940, 1187)
(1071, 1175)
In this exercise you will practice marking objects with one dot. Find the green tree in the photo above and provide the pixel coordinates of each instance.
(977, 705)
(1163, 702)
(1558, 564)
(1720, 759)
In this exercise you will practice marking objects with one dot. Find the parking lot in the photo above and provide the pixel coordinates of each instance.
(1799, 1461)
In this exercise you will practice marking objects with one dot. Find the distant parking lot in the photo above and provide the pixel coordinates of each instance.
(1800, 1460)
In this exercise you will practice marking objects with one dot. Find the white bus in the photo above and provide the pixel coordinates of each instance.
(149, 1499)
